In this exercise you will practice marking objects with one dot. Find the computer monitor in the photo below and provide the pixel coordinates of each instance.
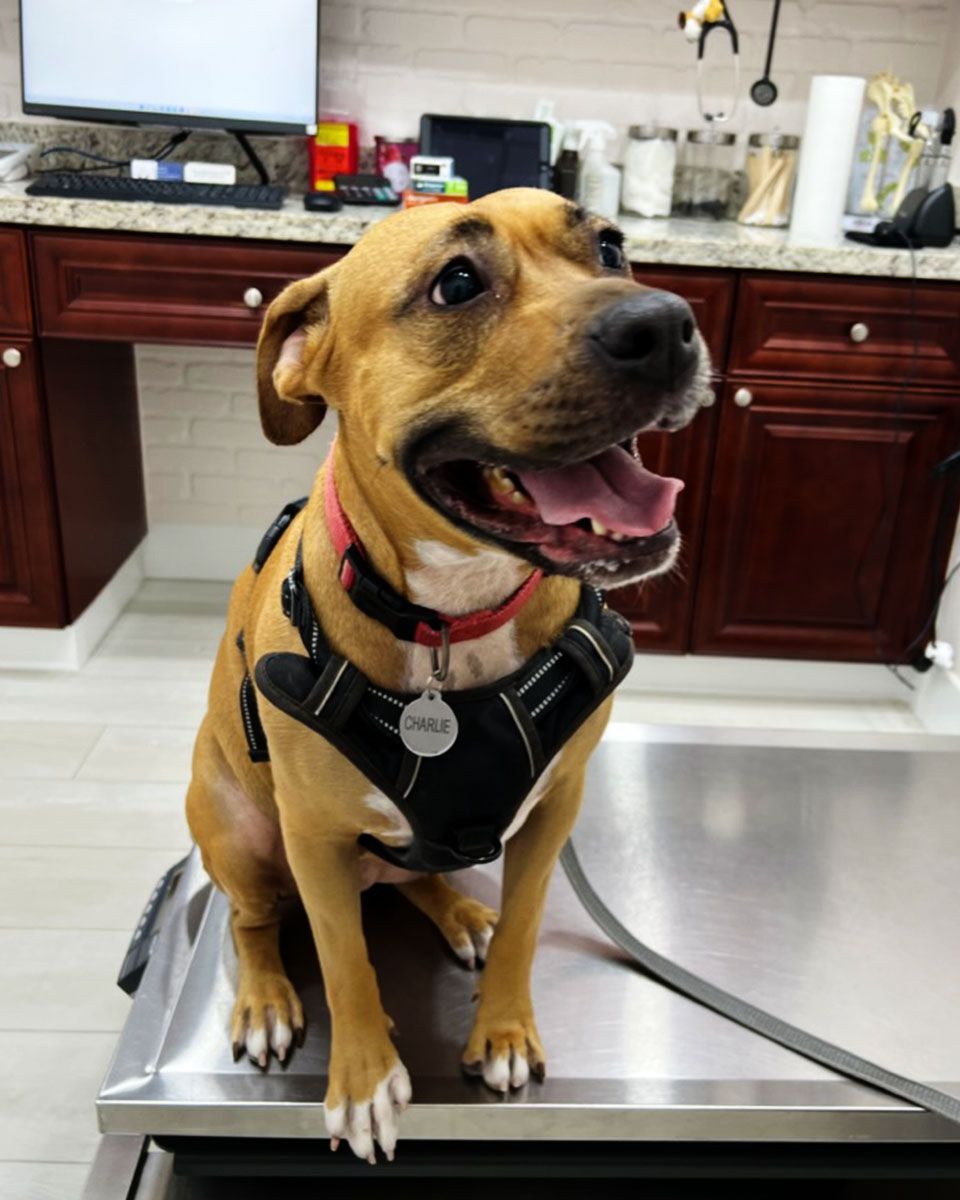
(227, 64)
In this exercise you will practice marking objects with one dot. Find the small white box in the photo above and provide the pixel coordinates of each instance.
(207, 172)
(428, 167)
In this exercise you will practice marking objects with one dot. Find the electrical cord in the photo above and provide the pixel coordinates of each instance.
(928, 631)
(105, 163)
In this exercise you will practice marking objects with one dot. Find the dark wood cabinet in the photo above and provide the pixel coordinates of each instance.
(158, 289)
(31, 586)
(821, 520)
(812, 526)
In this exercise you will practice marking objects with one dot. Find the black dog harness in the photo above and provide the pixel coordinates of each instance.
(459, 803)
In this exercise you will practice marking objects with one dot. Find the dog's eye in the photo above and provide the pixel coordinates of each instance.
(611, 254)
(457, 283)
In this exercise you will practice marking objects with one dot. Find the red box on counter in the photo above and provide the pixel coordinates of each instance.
(334, 150)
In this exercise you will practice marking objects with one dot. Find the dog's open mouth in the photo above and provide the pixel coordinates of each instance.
(608, 510)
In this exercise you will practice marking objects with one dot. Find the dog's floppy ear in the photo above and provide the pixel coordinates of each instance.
(294, 329)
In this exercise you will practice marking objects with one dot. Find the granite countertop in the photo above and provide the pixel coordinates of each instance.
(677, 241)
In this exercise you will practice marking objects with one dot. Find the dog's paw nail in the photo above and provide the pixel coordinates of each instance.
(300, 1034)
(538, 1071)
(334, 1144)
(472, 1068)
(281, 1054)
(237, 1049)
(262, 1060)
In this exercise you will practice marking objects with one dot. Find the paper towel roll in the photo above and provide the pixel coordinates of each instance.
(826, 154)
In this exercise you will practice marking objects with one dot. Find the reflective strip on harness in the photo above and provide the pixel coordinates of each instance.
(252, 726)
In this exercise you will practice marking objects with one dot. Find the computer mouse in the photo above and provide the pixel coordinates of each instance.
(322, 202)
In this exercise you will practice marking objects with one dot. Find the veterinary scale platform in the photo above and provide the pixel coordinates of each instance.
(820, 883)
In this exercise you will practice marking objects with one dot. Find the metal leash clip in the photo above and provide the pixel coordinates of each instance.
(440, 660)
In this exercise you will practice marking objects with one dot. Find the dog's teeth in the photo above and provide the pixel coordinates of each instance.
(514, 496)
(498, 480)
(618, 537)
(597, 527)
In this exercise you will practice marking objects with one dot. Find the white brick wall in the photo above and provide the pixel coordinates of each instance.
(213, 481)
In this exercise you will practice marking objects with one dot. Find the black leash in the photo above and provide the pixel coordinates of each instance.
(748, 1015)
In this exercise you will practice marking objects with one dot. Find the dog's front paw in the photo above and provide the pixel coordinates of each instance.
(267, 1016)
(364, 1102)
(505, 1052)
(468, 926)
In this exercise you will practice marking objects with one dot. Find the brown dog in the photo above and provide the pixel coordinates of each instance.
(491, 366)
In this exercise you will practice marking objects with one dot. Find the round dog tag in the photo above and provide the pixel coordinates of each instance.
(428, 725)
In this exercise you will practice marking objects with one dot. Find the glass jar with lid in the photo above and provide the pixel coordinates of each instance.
(705, 175)
(771, 173)
(649, 163)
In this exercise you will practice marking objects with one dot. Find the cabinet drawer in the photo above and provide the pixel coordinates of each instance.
(709, 294)
(14, 283)
(162, 289)
(809, 327)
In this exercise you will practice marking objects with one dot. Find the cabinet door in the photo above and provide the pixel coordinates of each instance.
(160, 289)
(14, 283)
(31, 591)
(822, 538)
(659, 609)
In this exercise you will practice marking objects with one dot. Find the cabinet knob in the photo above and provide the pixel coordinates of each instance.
(859, 332)
(12, 357)
(253, 297)
(743, 397)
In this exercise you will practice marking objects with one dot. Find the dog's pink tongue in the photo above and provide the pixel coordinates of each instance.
(613, 488)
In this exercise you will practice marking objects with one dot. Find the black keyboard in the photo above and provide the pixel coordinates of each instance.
(89, 185)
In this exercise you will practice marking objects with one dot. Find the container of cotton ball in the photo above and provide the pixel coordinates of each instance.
(649, 163)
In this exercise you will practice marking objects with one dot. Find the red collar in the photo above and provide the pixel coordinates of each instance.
(374, 596)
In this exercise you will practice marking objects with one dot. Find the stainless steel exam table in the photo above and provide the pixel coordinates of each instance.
(819, 881)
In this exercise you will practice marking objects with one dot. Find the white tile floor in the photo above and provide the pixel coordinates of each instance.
(92, 775)
(93, 768)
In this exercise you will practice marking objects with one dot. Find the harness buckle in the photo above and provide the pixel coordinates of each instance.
(291, 596)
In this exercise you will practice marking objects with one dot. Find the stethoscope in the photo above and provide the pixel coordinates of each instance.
(724, 22)
(763, 92)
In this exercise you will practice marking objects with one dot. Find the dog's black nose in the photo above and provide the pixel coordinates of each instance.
(650, 334)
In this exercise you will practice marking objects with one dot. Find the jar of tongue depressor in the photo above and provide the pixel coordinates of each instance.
(771, 172)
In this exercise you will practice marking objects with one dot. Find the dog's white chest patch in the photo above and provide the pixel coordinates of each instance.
(455, 583)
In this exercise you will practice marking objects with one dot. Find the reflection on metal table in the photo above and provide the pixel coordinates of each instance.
(821, 884)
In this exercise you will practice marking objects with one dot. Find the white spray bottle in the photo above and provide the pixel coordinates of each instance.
(599, 186)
